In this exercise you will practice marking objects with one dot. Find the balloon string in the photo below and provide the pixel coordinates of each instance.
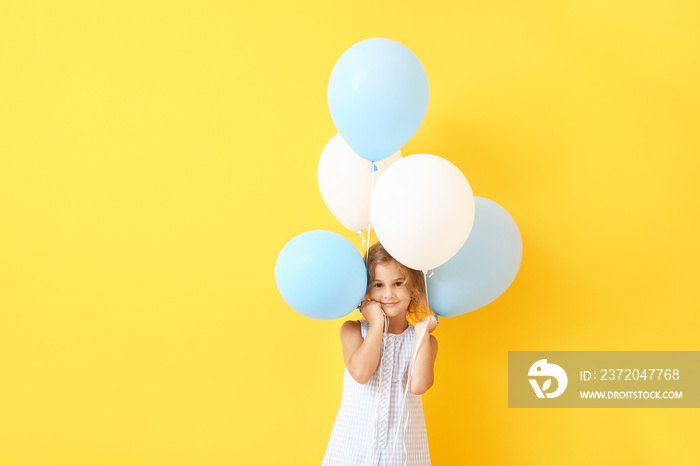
(405, 395)
(414, 357)
(403, 437)
(377, 396)
(372, 169)
(427, 300)
(361, 234)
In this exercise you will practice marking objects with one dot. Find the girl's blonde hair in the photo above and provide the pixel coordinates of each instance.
(418, 309)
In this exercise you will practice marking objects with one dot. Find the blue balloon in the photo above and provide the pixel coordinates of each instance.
(378, 96)
(485, 266)
(321, 275)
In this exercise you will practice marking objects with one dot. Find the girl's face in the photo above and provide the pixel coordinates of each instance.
(389, 288)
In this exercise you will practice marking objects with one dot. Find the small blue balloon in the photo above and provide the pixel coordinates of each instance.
(321, 275)
(378, 96)
(485, 266)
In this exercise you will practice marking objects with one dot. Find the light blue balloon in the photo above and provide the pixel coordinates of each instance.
(378, 96)
(485, 266)
(321, 275)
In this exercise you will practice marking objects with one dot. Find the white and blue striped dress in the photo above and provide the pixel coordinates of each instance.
(368, 418)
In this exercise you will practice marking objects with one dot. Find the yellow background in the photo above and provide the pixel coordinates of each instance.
(156, 156)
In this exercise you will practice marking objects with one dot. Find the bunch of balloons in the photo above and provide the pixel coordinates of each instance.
(421, 207)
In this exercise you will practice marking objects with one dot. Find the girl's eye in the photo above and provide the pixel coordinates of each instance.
(377, 285)
(399, 283)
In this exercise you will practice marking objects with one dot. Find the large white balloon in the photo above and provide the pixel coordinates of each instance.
(345, 181)
(422, 211)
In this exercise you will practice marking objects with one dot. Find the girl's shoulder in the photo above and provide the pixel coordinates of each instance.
(351, 332)
(353, 327)
(353, 324)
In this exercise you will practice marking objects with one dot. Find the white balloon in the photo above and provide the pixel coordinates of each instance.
(345, 181)
(422, 211)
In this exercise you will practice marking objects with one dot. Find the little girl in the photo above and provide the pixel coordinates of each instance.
(380, 420)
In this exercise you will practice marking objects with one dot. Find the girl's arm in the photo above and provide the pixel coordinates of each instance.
(362, 356)
(424, 369)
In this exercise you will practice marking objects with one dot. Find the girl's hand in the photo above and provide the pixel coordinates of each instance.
(430, 321)
(372, 312)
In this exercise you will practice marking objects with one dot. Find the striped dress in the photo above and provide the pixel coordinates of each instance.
(368, 418)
